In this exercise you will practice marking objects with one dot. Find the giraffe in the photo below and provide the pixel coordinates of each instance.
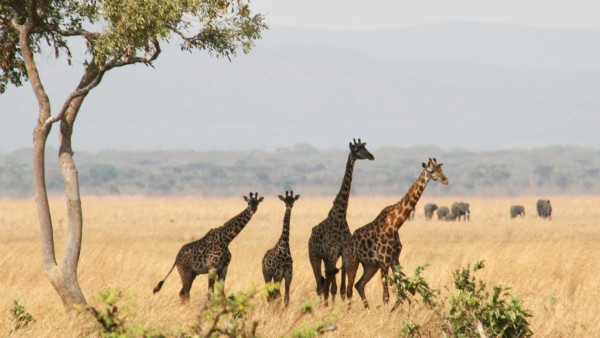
(210, 252)
(277, 262)
(376, 246)
(325, 243)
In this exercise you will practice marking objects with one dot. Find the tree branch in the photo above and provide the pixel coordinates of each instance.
(77, 93)
(115, 63)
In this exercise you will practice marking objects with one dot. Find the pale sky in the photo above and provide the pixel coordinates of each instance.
(377, 14)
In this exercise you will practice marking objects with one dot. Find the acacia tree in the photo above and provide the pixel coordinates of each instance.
(116, 33)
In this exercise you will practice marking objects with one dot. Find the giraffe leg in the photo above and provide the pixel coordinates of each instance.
(315, 262)
(268, 278)
(211, 285)
(187, 278)
(369, 272)
(288, 281)
(343, 282)
(277, 293)
(351, 266)
(384, 284)
(330, 284)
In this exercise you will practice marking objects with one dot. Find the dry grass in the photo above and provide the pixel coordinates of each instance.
(130, 243)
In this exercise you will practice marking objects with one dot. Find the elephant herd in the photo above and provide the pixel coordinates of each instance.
(458, 211)
(461, 211)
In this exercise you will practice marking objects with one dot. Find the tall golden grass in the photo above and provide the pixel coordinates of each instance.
(130, 243)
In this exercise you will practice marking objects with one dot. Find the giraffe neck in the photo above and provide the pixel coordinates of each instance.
(233, 227)
(285, 233)
(400, 211)
(340, 204)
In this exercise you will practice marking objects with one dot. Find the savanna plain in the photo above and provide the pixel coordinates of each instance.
(130, 243)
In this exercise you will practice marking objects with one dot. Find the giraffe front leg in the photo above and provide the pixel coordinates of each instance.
(315, 262)
(211, 284)
(288, 281)
(222, 272)
(351, 266)
(384, 284)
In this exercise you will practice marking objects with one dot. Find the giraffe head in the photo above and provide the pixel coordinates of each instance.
(253, 201)
(359, 151)
(433, 170)
(289, 199)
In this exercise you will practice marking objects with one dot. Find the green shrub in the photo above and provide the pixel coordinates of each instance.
(469, 310)
(473, 311)
(20, 316)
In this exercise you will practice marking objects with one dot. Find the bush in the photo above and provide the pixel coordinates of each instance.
(469, 311)
(472, 309)
(20, 316)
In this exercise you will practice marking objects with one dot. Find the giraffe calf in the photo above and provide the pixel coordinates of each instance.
(277, 262)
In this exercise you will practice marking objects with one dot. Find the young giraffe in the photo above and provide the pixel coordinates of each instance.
(210, 252)
(377, 245)
(325, 243)
(277, 262)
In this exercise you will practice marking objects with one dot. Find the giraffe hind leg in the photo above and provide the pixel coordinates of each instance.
(187, 279)
(369, 272)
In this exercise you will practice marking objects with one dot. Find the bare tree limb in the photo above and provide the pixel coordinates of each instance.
(79, 92)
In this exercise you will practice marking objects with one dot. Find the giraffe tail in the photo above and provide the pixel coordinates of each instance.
(160, 284)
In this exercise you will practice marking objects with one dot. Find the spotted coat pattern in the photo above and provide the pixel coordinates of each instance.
(376, 246)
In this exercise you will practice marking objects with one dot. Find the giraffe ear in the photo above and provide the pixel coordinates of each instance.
(246, 198)
(296, 198)
(423, 164)
(281, 197)
(260, 199)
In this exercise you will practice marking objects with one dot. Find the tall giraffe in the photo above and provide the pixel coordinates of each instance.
(277, 262)
(210, 252)
(325, 243)
(376, 246)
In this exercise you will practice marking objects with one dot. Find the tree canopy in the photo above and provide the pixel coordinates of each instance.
(120, 32)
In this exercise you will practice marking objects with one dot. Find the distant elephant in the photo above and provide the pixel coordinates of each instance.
(430, 208)
(517, 210)
(461, 210)
(442, 212)
(450, 217)
(544, 209)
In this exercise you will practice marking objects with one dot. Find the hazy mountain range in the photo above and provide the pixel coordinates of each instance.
(476, 86)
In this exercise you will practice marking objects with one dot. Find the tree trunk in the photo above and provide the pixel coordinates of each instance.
(64, 277)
